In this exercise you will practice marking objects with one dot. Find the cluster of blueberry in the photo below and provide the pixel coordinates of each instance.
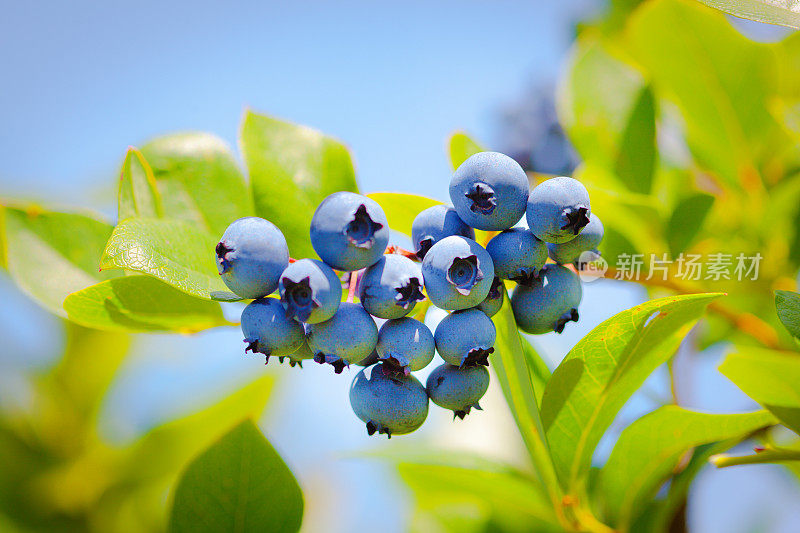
(350, 233)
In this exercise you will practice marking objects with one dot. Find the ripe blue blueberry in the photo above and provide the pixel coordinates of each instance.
(268, 330)
(457, 389)
(586, 241)
(349, 231)
(251, 255)
(391, 287)
(494, 300)
(558, 209)
(387, 402)
(517, 255)
(406, 344)
(465, 338)
(458, 273)
(549, 302)
(489, 191)
(310, 291)
(349, 337)
(434, 224)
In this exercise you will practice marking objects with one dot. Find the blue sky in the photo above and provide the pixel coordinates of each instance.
(82, 81)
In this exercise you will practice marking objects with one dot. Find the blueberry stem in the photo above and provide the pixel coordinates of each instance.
(351, 286)
(401, 251)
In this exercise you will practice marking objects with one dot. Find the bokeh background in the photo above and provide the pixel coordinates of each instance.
(83, 81)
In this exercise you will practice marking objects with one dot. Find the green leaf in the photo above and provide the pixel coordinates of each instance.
(52, 254)
(540, 372)
(513, 371)
(694, 56)
(603, 370)
(687, 220)
(138, 475)
(167, 448)
(769, 377)
(292, 169)
(138, 194)
(664, 511)
(770, 11)
(401, 209)
(460, 147)
(788, 306)
(239, 484)
(174, 251)
(199, 180)
(503, 490)
(141, 303)
(649, 449)
(608, 112)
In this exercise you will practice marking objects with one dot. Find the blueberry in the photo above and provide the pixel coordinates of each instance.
(297, 358)
(494, 300)
(434, 224)
(391, 287)
(349, 231)
(387, 402)
(458, 273)
(586, 241)
(558, 209)
(370, 360)
(405, 343)
(549, 302)
(349, 337)
(268, 330)
(310, 291)
(465, 338)
(517, 254)
(251, 255)
(489, 191)
(457, 389)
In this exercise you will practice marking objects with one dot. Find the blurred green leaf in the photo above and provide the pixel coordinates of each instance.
(292, 169)
(632, 221)
(239, 484)
(138, 194)
(503, 490)
(444, 517)
(697, 58)
(618, 14)
(540, 372)
(74, 388)
(52, 254)
(166, 449)
(603, 370)
(174, 251)
(686, 221)
(511, 366)
(105, 480)
(770, 11)
(461, 146)
(650, 448)
(788, 306)
(401, 208)
(199, 180)
(3, 244)
(608, 112)
(769, 377)
(788, 54)
(141, 303)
